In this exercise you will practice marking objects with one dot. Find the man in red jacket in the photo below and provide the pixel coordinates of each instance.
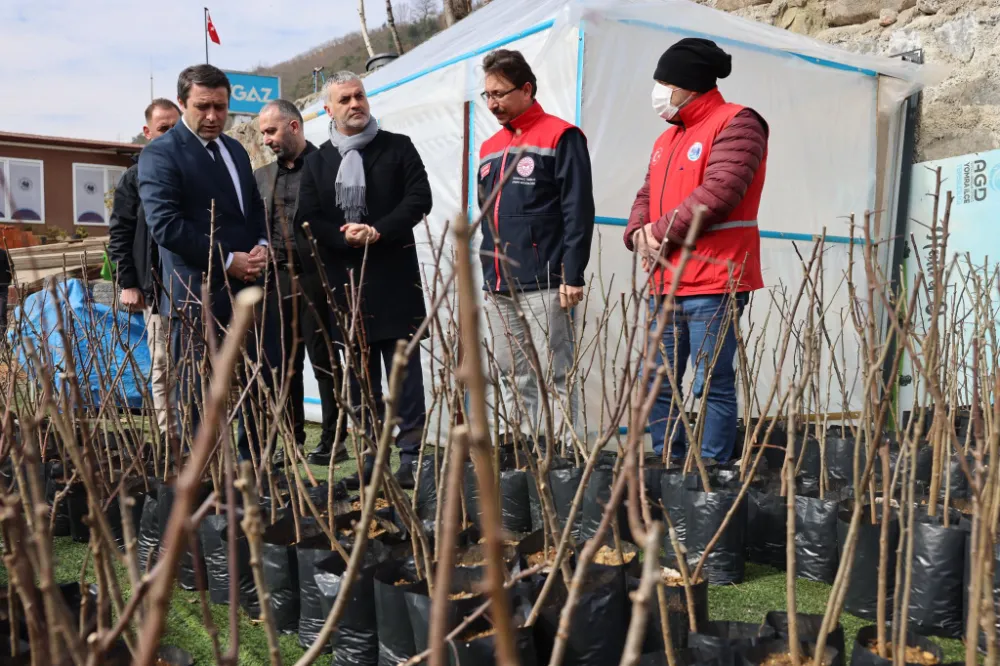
(714, 154)
(536, 242)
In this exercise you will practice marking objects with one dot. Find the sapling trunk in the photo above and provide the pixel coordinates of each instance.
(883, 551)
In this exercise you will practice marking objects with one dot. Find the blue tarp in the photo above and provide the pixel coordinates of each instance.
(105, 344)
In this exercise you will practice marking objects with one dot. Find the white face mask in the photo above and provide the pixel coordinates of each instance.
(661, 101)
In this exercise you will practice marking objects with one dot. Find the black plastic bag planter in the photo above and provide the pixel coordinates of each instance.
(148, 535)
(674, 487)
(280, 567)
(187, 568)
(816, 553)
(427, 490)
(954, 480)
(213, 534)
(720, 637)
(465, 597)
(311, 553)
(599, 621)
(995, 588)
(861, 655)
(390, 580)
(595, 497)
(77, 509)
(840, 456)
(938, 575)
(563, 483)
(765, 650)
(808, 628)
(515, 509)
(355, 642)
(528, 548)
(60, 523)
(628, 563)
(767, 520)
(476, 646)
(861, 598)
(705, 513)
(678, 621)
(168, 655)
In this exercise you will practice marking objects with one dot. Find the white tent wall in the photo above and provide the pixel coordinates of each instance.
(821, 104)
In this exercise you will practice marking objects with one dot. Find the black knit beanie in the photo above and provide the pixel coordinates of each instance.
(693, 64)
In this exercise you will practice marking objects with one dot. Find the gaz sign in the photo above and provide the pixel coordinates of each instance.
(250, 92)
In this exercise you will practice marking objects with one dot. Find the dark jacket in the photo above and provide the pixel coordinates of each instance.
(132, 249)
(544, 215)
(398, 196)
(267, 178)
(178, 183)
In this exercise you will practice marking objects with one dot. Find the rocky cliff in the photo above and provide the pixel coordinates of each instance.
(962, 115)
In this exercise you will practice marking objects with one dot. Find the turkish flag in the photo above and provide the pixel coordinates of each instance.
(212, 34)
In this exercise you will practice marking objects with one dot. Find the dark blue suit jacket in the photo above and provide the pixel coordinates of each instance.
(177, 184)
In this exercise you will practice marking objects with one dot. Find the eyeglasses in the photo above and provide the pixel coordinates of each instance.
(496, 97)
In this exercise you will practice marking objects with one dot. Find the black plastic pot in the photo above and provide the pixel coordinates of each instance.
(355, 643)
(677, 614)
(311, 554)
(418, 604)
(515, 507)
(721, 637)
(763, 651)
(595, 498)
(808, 629)
(994, 588)
(187, 568)
(954, 479)
(599, 621)
(563, 483)
(482, 651)
(213, 534)
(427, 492)
(767, 519)
(862, 656)
(938, 575)
(631, 565)
(174, 656)
(674, 486)
(280, 566)
(862, 590)
(535, 543)
(148, 537)
(816, 556)
(705, 513)
(395, 634)
(840, 456)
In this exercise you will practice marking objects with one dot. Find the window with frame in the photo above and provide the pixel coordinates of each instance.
(22, 194)
(93, 192)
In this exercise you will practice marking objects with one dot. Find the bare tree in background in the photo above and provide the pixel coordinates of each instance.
(404, 13)
(392, 27)
(456, 10)
(424, 8)
(364, 29)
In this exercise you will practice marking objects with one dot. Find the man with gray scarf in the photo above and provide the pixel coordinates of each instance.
(361, 194)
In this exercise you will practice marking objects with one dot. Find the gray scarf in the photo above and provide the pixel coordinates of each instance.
(350, 186)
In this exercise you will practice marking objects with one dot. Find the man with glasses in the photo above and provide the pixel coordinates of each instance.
(537, 230)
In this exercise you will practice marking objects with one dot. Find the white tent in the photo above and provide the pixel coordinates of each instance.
(834, 116)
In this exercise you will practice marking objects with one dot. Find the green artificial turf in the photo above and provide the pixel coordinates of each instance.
(762, 591)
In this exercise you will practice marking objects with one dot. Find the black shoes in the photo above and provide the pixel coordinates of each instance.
(321, 455)
(404, 475)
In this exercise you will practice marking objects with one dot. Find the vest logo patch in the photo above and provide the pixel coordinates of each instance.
(657, 154)
(525, 167)
(484, 170)
(694, 152)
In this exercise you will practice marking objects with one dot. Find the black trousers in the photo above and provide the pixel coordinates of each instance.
(313, 315)
(412, 411)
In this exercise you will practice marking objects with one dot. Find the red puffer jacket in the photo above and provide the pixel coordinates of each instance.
(715, 156)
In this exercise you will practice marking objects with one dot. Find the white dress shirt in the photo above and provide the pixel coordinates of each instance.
(233, 173)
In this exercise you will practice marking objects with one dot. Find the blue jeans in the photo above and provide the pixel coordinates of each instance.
(692, 333)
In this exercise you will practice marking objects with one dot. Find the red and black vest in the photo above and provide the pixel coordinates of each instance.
(526, 215)
(728, 252)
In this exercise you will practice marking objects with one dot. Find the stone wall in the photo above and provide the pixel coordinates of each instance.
(959, 116)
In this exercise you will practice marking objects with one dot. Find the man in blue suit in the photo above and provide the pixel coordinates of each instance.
(205, 212)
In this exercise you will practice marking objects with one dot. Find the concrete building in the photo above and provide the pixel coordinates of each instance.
(48, 181)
